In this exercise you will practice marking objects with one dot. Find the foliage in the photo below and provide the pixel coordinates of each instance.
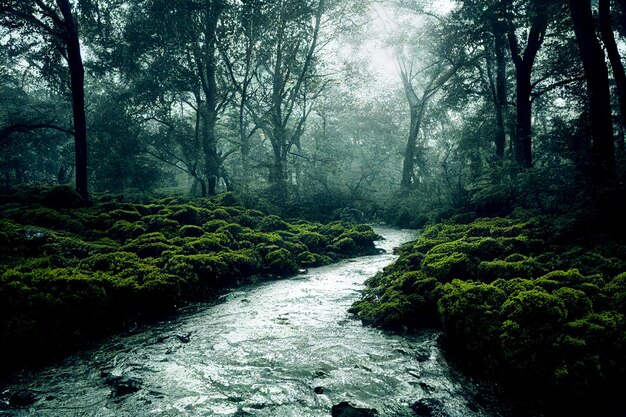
(71, 273)
(514, 302)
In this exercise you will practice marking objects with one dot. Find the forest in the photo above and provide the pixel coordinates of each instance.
(155, 153)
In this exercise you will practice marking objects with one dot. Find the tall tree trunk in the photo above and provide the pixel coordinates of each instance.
(408, 166)
(208, 77)
(523, 148)
(500, 93)
(608, 38)
(524, 63)
(77, 83)
(597, 77)
(278, 169)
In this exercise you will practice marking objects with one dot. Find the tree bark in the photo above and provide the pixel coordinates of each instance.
(408, 167)
(207, 69)
(524, 63)
(608, 38)
(500, 93)
(597, 77)
(77, 82)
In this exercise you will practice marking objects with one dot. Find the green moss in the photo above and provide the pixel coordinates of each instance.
(128, 215)
(489, 271)
(190, 231)
(231, 229)
(213, 225)
(307, 259)
(272, 223)
(51, 219)
(529, 334)
(344, 245)
(123, 230)
(314, 241)
(209, 242)
(576, 302)
(546, 315)
(219, 214)
(188, 214)
(74, 248)
(160, 223)
(471, 315)
(67, 273)
(446, 267)
(281, 262)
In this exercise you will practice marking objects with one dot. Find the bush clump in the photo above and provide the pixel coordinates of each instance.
(69, 271)
(539, 315)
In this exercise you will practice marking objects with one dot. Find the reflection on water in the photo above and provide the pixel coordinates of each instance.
(282, 348)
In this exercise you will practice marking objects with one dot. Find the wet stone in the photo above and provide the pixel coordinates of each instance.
(184, 338)
(429, 407)
(422, 355)
(345, 409)
(22, 399)
(124, 384)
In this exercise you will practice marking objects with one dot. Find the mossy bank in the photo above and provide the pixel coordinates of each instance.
(71, 273)
(543, 316)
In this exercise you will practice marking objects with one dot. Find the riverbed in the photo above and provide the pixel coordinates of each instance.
(280, 348)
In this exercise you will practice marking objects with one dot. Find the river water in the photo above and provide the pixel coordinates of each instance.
(280, 348)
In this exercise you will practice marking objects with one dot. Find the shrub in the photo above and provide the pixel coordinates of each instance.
(190, 231)
(314, 241)
(159, 223)
(526, 268)
(446, 267)
(530, 330)
(123, 230)
(128, 215)
(213, 225)
(272, 223)
(280, 262)
(344, 245)
(307, 258)
(470, 316)
(50, 219)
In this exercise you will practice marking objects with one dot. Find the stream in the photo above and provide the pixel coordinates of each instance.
(279, 348)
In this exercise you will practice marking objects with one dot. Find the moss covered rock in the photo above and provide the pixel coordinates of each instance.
(536, 314)
(70, 270)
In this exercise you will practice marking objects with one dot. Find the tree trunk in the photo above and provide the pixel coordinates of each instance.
(208, 78)
(597, 77)
(408, 167)
(606, 31)
(500, 93)
(523, 148)
(278, 169)
(77, 82)
(524, 63)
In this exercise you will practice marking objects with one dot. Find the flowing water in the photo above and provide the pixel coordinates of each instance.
(280, 348)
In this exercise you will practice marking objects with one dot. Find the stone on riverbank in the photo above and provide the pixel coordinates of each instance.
(345, 409)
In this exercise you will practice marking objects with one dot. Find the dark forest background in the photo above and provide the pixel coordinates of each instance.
(491, 105)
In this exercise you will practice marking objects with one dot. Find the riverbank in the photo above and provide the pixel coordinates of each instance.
(284, 348)
(70, 274)
(519, 302)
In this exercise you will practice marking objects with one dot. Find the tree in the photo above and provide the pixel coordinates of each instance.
(610, 44)
(596, 75)
(524, 61)
(443, 71)
(286, 85)
(484, 24)
(174, 57)
(56, 23)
